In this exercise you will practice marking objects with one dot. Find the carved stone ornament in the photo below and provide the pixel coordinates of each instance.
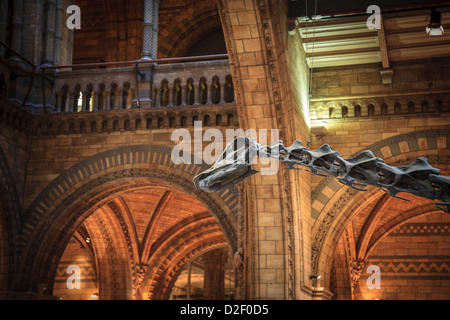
(418, 178)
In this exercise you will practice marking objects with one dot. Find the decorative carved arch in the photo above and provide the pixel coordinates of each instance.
(330, 200)
(190, 32)
(63, 205)
(171, 258)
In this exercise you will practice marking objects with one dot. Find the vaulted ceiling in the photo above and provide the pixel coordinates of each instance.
(155, 229)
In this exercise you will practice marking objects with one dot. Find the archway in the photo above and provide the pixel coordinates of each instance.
(211, 268)
(134, 246)
(66, 203)
(337, 208)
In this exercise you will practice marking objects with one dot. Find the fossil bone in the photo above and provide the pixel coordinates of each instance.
(418, 178)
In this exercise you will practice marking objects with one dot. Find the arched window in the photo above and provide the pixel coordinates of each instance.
(370, 110)
(384, 109)
(344, 112)
(206, 119)
(411, 107)
(331, 113)
(357, 111)
(397, 108)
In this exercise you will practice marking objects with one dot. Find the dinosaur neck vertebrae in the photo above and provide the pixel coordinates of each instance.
(418, 178)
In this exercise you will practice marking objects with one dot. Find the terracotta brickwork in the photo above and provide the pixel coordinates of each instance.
(67, 278)
(183, 23)
(109, 32)
(413, 262)
(87, 176)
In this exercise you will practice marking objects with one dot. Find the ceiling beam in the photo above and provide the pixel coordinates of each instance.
(302, 8)
(383, 47)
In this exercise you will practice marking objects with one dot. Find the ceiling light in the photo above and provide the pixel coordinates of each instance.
(435, 28)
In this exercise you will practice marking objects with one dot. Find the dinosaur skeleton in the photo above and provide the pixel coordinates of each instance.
(418, 178)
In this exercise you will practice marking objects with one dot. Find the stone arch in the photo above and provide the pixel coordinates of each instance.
(171, 258)
(330, 200)
(65, 203)
(190, 31)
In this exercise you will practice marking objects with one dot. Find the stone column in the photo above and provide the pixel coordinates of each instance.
(196, 93)
(183, 95)
(71, 101)
(222, 93)
(155, 28)
(58, 35)
(95, 99)
(3, 24)
(214, 275)
(107, 105)
(49, 33)
(148, 30)
(277, 206)
(209, 92)
(157, 100)
(171, 100)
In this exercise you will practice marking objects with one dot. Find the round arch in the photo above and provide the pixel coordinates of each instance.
(70, 198)
(191, 31)
(331, 200)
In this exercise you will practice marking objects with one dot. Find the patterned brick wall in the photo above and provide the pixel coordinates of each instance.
(76, 254)
(414, 262)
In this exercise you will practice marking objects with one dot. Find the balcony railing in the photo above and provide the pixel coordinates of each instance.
(150, 85)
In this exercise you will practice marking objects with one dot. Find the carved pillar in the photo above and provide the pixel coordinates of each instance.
(157, 101)
(49, 33)
(95, 95)
(71, 102)
(107, 105)
(155, 28)
(120, 96)
(214, 275)
(209, 92)
(222, 93)
(183, 95)
(150, 35)
(65, 105)
(196, 94)
(148, 29)
(58, 36)
(3, 24)
(171, 96)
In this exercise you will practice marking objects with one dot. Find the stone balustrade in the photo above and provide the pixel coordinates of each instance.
(149, 85)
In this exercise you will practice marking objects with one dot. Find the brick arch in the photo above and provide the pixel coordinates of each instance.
(63, 205)
(176, 42)
(397, 221)
(173, 256)
(110, 247)
(330, 199)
